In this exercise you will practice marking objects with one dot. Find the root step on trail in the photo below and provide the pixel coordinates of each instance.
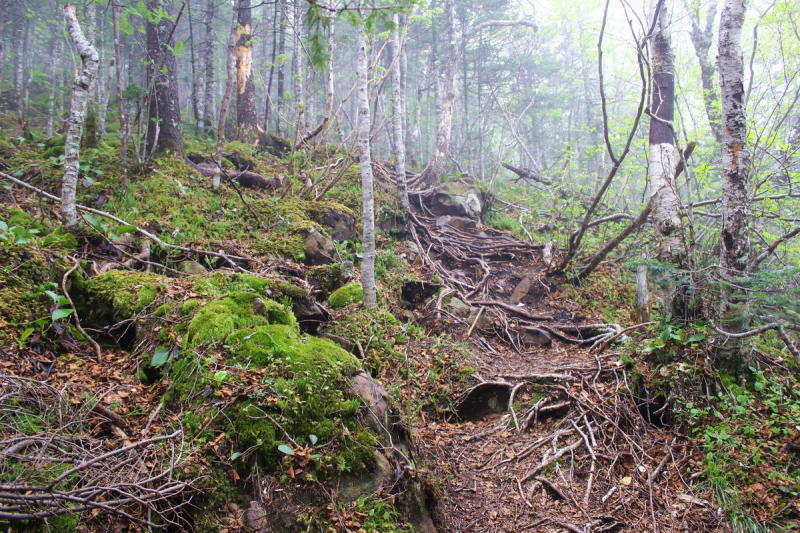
(549, 438)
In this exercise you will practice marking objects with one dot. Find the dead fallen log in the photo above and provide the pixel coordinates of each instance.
(245, 178)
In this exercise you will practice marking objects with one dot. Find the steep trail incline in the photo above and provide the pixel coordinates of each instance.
(551, 436)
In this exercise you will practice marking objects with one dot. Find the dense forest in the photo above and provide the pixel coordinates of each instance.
(399, 265)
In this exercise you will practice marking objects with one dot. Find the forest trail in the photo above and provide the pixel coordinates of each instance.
(550, 438)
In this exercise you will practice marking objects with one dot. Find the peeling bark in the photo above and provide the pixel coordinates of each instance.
(365, 160)
(77, 114)
(226, 99)
(281, 69)
(735, 353)
(246, 116)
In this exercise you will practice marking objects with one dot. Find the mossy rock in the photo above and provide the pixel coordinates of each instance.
(18, 307)
(274, 144)
(279, 343)
(327, 277)
(218, 319)
(352, 293)
(223, 282)
(119, 294)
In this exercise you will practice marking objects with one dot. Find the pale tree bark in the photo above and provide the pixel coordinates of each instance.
(164, 123)
(77, 114)
(365, 160)
(226, 99)
(702, 37)
(19, 64)
(735, 354)
(662, 162)
(2, 50)
(123, 121)
(210, 103)
(398, 115)
(281, 107)
(246, 115)
(438, 163)
(51, 90)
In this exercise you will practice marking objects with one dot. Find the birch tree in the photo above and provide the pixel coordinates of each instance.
(661, 174)
(365, 160)
(735, 354)
(226, 99)
(77, 114)
(398, 116)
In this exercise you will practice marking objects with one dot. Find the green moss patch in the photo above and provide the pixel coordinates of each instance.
(119, 294)
(351, 293)
(218, 319)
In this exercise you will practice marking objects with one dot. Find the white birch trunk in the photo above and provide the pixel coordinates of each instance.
(398, 116)
(735, 354)
(210, 103)
(77, 114)
(365, 160)
(123, 123)
(226, 99)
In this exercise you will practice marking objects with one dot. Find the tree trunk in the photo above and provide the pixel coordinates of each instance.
(281, 69)
(246, 115)
(663, 189)
(123, 122)
(702, 39)
(735, 355)
(103, 81)
(367, 199)
(197, 80)
(226, 99)
(51, 90)
(77, 113)
(268, 98)
(398, 116)
(164, 124)
(297, 70)
(210, 103)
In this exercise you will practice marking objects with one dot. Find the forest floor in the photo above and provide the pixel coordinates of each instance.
(533, 404)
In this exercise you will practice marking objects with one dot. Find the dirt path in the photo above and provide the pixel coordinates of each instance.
(550, 438)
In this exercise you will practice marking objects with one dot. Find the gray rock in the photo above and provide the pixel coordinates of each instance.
(320, 250)
(458, 308)
(463, 224)
(521, 290)
(376, 400)
(536, 337)
(370, 481)
(192, 268)
(456, 199)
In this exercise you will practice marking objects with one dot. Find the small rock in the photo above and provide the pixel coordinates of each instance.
(193, 268)
(255, 518)
(456, 199)
(536, 337)
(458, 308)
(521, 290)
(320, 250)
(466, 225)
(485, 322)
(375, 398)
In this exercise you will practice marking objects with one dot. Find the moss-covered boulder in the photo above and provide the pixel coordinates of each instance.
(120, 294)
(219, 318)
(352, 293)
